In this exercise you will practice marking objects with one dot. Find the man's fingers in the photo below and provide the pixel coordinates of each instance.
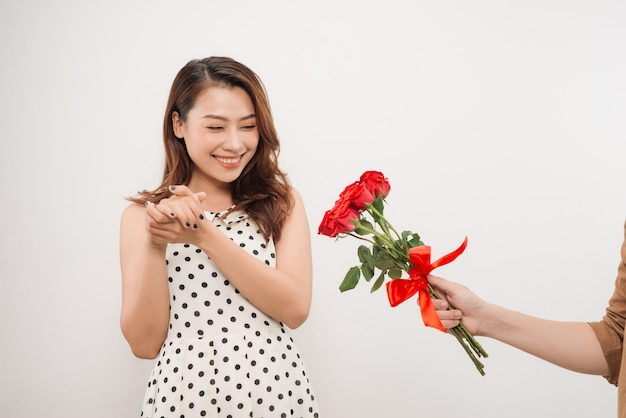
(448, 324)
(440, 304)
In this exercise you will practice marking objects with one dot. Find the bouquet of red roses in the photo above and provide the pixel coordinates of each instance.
(359, 213)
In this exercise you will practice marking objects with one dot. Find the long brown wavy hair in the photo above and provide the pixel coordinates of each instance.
(262, 189)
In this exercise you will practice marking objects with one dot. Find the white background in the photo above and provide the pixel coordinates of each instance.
(499, 120)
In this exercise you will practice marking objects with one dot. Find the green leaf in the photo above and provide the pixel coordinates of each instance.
(415, 242)
(367, 262)
(395, 273)
(378, 283)
(368, 272)
(363, 252)
(351, 280)
(383, 262)
(379, 204)
(401, 245)
(366, 257)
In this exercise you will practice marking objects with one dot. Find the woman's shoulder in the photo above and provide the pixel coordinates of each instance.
(133, 208)
(297, 209)
(295, 194)
(132, 213)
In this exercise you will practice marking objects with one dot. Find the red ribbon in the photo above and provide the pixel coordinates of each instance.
(399, 290)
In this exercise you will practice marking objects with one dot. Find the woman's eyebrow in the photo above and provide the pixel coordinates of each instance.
(219, 117)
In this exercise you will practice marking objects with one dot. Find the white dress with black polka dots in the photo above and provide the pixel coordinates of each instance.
(223, 357)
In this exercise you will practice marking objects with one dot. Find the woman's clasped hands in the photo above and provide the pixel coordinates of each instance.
(176, 219)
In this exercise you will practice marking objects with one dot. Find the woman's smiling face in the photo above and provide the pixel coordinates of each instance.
(220, 133)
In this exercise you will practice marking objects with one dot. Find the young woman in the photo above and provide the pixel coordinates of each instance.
(216, 262)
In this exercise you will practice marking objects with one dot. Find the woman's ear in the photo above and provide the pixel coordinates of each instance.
(177, 125)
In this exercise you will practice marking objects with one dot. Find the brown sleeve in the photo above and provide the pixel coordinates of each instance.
(610, 331)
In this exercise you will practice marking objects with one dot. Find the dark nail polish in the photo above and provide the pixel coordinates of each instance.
(188, 224)
(195, 226)
(172, 187)
(172, 214)
(201, 217)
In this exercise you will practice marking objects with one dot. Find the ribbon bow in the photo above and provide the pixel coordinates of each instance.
(399, 290)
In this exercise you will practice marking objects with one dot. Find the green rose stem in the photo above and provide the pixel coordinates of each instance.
(465, 338)
(389, 244)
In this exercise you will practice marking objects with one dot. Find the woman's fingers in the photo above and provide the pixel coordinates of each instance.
(177, 218)
(181, 209)
(184, 206)
(158, 214)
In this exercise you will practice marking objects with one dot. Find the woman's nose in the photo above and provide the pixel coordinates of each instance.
(233, 140)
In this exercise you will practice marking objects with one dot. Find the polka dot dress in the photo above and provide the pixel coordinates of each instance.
(223, 357)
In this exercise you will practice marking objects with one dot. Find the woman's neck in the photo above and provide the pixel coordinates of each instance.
(218, 197)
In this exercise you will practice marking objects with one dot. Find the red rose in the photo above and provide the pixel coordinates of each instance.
(375, 182)
(357, 194)
(338, 220)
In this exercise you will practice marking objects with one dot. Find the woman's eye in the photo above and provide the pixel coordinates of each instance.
(249, 127)
(215, 128)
